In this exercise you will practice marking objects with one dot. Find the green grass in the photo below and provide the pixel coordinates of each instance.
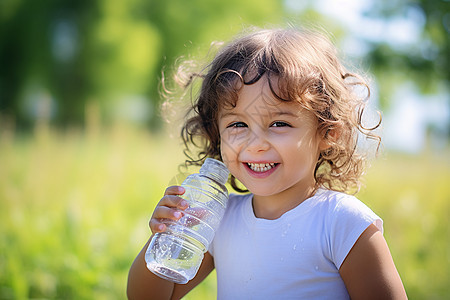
(412, 195)
(74, 211)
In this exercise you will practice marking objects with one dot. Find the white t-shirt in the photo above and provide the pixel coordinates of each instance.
(296, 256)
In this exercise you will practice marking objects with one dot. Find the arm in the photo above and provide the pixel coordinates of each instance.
(143, 284)
(368, 270)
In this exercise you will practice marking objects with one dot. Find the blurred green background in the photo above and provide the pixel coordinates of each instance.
(85, 155)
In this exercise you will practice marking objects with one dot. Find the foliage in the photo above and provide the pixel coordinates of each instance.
(44, 48)
(427, 61)
(74, 210)
(59, 56)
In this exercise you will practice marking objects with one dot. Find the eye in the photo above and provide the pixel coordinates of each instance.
(280, 124)
(237, 125)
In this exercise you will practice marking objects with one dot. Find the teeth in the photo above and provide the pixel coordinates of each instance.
(261, 167)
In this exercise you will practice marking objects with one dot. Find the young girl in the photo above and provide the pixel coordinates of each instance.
(278, 108)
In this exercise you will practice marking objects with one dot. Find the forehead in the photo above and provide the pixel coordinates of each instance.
(260, 97)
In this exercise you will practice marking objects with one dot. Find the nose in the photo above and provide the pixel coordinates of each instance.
(257, 141)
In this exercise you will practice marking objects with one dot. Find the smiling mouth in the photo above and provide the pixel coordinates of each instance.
(261, 167)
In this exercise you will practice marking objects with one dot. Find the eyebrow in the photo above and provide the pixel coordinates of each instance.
(285, 113)
(275, 113)
(228, 114)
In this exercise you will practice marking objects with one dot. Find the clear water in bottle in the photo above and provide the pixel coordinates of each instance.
(176, 254)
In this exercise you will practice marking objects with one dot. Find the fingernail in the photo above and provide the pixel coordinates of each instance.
(160, 227)
(177, 214)
(183, 203)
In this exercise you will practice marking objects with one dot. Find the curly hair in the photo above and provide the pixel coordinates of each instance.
(307, 70)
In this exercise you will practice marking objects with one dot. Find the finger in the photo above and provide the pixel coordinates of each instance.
(157, 226)
(174, 190)
(174, 202)
(164, 212)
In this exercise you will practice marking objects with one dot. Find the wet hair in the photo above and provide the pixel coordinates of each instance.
(304, 66)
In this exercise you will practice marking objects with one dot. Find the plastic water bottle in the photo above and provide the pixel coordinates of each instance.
(177, 253)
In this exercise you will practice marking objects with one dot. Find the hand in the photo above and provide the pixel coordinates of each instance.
(170, 207)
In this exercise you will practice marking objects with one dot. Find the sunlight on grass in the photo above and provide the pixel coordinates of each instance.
(74, 211)
(412, 195)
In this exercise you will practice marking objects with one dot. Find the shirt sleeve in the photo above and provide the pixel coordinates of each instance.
(350, 218)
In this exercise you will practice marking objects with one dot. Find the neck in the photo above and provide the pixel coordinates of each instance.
(272, 207)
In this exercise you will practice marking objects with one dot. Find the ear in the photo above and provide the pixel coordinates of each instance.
(330, 137)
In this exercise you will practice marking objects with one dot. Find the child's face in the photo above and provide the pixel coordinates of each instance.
(267, 144)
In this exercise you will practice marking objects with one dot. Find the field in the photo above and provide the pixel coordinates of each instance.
(75, 205)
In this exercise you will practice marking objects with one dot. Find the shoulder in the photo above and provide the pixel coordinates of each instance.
(238, 199)
(344, 206)
(231, 222)
(236, 204)
(336, 199)
(234, 196)
(346, 219)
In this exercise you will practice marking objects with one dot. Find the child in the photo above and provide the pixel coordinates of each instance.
(278, 108)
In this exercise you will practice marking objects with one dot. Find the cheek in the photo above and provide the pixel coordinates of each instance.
(229, 153)
(225, 152)
(308, 151)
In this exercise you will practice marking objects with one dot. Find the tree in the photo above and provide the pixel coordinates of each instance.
(427, 62)
(59, 56)
(43, 50)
